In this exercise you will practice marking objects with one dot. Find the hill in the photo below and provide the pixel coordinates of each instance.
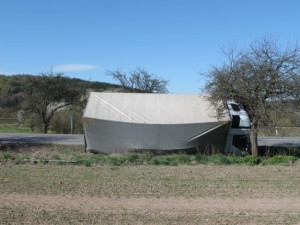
(12, 90)
(12, 96)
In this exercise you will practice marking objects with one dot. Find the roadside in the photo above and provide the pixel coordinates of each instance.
(78, 139)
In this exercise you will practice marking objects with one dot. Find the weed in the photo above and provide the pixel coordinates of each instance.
(201, 159)
(114, 161)
(281, 159)
(5, 156)
(181, 159)
(166, 160)
(75, 155)
(249, 160)
(220, 159)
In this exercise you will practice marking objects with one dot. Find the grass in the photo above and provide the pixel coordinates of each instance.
(63, 154)
(154, 178)
(13, 128)
(152, 181)
(33, 215)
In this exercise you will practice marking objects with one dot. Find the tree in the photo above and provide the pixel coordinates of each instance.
(140, 80)
(264, 78)
(46, 94)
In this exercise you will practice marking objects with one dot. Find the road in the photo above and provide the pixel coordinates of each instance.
(65, 139)
(279, 141)
(77, 139)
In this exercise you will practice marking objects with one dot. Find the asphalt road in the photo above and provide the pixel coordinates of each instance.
(65, 139)
(77, 139)
(279, 141)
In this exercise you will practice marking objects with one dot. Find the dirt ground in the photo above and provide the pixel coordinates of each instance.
(203, 194)
(87, 203)
(50, 209)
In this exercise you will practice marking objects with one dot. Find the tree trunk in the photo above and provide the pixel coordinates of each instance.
(45, 128)
(253, 136)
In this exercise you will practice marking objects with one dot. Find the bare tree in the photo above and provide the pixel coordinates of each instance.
(264, 78)
(46, 94)
(140, 80)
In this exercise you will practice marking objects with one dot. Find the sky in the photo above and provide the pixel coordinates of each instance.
(176, 40)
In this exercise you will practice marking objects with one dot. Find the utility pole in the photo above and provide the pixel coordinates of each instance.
(71, 122)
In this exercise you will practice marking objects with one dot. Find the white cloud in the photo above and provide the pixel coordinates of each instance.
(3, 72)
(74, 67)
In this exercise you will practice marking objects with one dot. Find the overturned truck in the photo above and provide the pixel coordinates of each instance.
(127, 122)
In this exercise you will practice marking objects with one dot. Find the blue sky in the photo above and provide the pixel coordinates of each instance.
(174, 39)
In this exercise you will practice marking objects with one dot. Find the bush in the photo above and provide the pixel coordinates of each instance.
(115, 161)
(281, 159)
(182, 159)
(166, 160)
(201, 159)
(249, 160)
(132, 158)
(220, 159)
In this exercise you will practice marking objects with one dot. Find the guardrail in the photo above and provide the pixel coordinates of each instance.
(279, 131)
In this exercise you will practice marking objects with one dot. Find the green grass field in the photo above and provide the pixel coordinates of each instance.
(14, 128)
(108, 193)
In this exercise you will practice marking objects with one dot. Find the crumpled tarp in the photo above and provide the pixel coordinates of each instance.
(123, 122)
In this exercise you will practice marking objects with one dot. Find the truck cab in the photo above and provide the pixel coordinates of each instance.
(238, 139)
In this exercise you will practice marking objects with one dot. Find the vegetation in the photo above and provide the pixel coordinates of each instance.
(14, 90)
(14, 128)
(264, 78)
(146, 194)
(58, 184)
(140, 80)
(34, 215)
(46, 94)
(75, 155)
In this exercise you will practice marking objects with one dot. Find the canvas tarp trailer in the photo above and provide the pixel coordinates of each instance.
(125, 122)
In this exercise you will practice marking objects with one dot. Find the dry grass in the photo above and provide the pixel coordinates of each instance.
(152, 181)
(87, 187)
(145, 194)
(34, 215)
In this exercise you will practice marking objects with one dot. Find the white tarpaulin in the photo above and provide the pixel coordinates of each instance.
(122, 122)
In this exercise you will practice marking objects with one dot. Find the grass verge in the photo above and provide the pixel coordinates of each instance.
(63, 154)
(12, 128)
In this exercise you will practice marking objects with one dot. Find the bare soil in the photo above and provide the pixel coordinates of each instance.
(203, 194)
(87, 203)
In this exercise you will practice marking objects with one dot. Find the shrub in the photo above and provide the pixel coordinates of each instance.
(249, 160)
(182, 159)
(281, 159)
(201, 159)
(132, 158)
(115, 161)
(220, 159)
(166, 160)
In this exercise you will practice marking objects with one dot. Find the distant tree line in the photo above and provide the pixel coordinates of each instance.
(48, 99)
(43, 97)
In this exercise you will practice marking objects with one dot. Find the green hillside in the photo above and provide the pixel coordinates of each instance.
(12, 97)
